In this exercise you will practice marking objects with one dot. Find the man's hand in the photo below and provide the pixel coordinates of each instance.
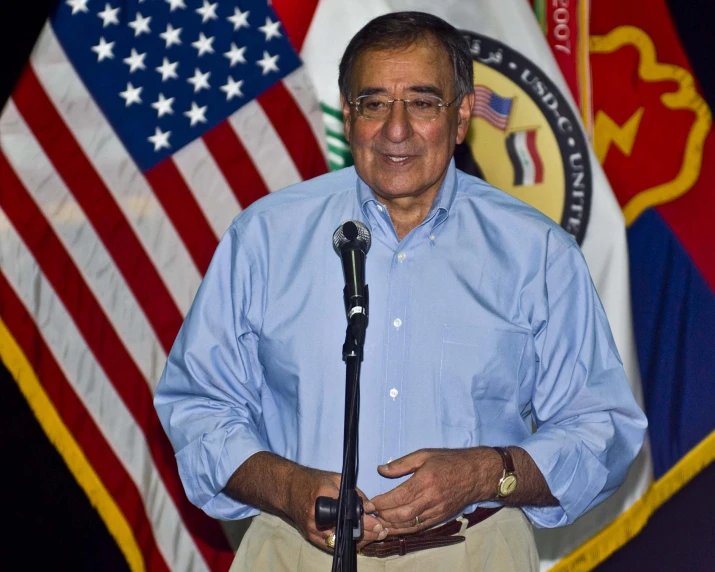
(309, 484)
(284, 488)
(444, 481)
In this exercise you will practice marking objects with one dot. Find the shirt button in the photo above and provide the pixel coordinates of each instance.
(397, 323)
(432, 237)
(401, 256)
(393, 393)
(379, 207)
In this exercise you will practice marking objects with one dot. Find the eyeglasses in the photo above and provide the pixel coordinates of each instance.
(422, 107)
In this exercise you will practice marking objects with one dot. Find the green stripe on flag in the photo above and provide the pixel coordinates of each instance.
(336, 113)
(540, 10)
(339, 155)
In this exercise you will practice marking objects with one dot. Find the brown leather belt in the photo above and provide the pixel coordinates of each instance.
(443, 535)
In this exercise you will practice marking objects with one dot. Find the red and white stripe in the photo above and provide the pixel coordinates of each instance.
(53, 95)
(481, 108)
(83, 246)
(99, 263)
(99, 372)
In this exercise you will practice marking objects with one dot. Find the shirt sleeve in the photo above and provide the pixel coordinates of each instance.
(589, 426)
(209, 395)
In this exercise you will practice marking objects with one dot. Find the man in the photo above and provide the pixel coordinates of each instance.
(484, 323)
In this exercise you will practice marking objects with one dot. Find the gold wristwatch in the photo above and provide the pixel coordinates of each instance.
(507, 483)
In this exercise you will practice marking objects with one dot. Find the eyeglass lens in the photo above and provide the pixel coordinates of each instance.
(378, 106)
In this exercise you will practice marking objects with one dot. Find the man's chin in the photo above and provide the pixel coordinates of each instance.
(393, 192)
(396, 184)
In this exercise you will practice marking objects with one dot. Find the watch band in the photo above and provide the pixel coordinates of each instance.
(506, 459)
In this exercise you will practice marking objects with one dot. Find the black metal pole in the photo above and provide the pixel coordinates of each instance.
(349, 522)
(351, 242)
(346, 513)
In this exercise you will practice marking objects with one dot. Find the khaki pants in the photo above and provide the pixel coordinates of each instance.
(504, 542)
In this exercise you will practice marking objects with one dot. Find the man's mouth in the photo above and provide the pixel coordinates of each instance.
(397, 159)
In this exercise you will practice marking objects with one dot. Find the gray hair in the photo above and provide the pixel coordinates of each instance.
(402, 29)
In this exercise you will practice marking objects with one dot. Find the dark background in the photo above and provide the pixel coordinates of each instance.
(48, 520)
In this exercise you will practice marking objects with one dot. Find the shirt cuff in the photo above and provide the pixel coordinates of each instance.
(573, 473)
(206, 464)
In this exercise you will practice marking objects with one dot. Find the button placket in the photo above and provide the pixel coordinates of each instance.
(399, 282)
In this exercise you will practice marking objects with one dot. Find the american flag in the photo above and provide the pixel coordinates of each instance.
(138, 131)
(492, 107)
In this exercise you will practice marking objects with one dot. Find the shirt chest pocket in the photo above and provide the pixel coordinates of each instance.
(479, 374)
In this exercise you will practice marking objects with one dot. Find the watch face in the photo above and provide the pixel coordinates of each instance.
(507, 485)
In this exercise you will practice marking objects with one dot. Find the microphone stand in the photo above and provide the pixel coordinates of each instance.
(346, 513)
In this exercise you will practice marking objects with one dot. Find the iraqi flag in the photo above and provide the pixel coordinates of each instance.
(524, 155)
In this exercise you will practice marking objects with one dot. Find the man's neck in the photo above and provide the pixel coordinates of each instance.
(407, 213)
(405, 219)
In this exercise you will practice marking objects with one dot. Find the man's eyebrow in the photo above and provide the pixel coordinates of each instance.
(371, 91)
(432, 89)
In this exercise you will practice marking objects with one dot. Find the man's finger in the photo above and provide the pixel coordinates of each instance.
(367, 540)
(372, 527)
(385, 501)
(366, 504)
(372, 530)
(320, 538)
(404, 513)
(391, 517)
(401, 495)
(404, 465)
(371, 533)
(428, 517)
(410, 527)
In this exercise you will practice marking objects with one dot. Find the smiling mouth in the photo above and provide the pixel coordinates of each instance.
(397, 159)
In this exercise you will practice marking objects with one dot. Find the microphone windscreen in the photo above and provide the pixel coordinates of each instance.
(351, 230)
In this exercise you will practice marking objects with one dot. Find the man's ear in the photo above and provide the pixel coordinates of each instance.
(346, 117)
(464, 116)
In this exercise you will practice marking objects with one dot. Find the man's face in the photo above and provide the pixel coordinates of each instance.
(400, 156)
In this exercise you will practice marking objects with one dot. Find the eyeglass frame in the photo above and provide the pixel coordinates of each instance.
(406, 103)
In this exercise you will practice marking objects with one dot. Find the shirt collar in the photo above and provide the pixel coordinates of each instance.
(442, 202)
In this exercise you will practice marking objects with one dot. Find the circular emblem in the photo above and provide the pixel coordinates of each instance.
(524, 137)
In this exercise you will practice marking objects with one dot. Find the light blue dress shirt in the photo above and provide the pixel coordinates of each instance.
(484, 324)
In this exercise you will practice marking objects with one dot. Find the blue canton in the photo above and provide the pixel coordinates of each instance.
(166, 71)
(501, 105)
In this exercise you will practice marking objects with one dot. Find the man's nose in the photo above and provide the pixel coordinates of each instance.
(397, 126)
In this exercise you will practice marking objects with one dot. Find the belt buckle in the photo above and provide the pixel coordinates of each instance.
(464, 522)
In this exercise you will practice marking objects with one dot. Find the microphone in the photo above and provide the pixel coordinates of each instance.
(351, 242)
